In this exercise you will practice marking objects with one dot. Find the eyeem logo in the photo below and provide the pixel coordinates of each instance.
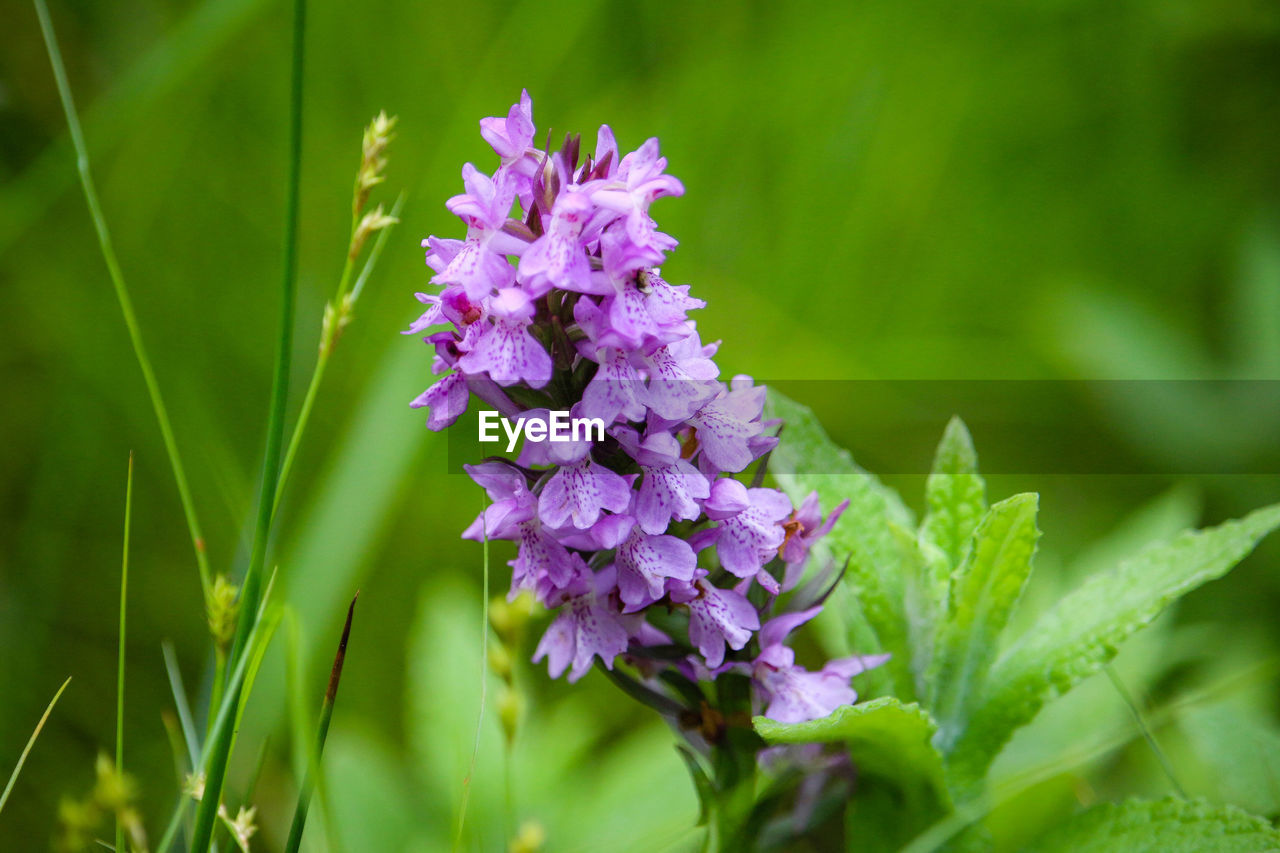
(558, 427)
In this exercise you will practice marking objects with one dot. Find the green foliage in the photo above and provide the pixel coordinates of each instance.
(955, 494)
(1081, 633)
(1166, 826)
(901, 780)
(897, 182)
(983, 592)
(921, 776)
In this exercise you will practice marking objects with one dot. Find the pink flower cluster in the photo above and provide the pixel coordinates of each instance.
(554, 301)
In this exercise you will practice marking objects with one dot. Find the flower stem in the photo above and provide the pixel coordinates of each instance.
(124, 597)
(329, 338)
(122, 296)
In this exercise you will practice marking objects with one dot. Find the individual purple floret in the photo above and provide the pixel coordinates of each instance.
(639, 536)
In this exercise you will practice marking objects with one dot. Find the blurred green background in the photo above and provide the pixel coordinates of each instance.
(875, 190)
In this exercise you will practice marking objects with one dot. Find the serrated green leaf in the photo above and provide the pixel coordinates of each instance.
(983, 592)
(918, 560)
(901, 783)
(1163, 826)
(807, 460)
(1082, 632)
(955, 494)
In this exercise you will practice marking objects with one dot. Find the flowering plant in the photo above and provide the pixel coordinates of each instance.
(658, 546)
(563, 307)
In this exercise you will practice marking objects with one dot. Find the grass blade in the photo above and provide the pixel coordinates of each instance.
(206, 815)
(22, 759)
(180, 701)
(322, 361)
(122, 295)
(223, 731)
(124, 597)
(322, 732)
(1147, 735)
(484, 680)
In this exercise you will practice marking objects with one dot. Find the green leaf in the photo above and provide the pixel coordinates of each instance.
(901, 783)
(1082, 632)
(701, 782)
(1164, 826)
(956, 496)
(983, 592)
(807, 460)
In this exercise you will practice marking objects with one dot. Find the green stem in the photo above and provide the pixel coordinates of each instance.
(219, 682)
(206, 815)
(328, 341)
(31, 741)
(304, 415)
(224, 726)
(124, 597)
(122, 296)
(484, 678)
(313, 761)
(1145, 730)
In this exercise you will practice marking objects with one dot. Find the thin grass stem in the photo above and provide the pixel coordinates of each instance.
(122, 296)
(120, 657)
(185, 720)
(264, 625)
(206, 815)
(329, 338)
(31, 741)
(1147, 735)
(312, 773)
(484, 679)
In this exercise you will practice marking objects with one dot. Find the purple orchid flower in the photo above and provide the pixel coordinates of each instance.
(793, 693)
(505, 350)
(558, 258)
(645, 562)
(588, 626)
(717, 617)
(479, 264)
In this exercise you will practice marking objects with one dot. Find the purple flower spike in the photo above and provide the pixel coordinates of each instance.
(717, 617)
(555, 305)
